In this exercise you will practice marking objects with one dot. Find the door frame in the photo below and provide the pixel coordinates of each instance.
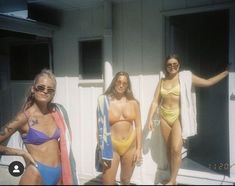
(231, 80)
(232, 90)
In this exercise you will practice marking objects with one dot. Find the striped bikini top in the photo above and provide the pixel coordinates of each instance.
(37, 137)
(175, 90)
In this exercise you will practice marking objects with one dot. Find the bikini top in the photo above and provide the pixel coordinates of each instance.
(36, 137)
(175, 90)
(125, 115)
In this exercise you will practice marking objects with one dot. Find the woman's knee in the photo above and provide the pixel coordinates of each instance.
(108, 179)
(176, 150)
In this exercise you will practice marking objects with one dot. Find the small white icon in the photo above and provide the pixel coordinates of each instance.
(16, 169)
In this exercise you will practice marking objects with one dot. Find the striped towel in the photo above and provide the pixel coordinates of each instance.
(104, 150)
(69, 174)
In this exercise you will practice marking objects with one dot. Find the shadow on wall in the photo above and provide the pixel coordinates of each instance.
(232, 97)
(153, 142)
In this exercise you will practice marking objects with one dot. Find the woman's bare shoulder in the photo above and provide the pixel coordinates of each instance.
(134, 102)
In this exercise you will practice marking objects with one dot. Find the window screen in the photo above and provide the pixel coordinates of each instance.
(27, 60)
(90, 59)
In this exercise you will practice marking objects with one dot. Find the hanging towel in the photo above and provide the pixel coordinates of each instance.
(104, 150)
(69, 174)
(188, 105)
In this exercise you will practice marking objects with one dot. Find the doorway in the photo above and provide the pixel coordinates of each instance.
(202, 42)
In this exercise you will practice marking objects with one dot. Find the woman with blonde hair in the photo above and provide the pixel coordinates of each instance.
(119, 130)
(44, 129)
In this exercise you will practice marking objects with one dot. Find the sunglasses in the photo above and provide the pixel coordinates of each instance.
(43, 88)
(172, 65)
(124, 84)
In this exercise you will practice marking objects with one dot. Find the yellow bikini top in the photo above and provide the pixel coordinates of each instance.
(175, 90)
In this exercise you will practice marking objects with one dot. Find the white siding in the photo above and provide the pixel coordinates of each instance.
(137, 37)
(138, 48)
(77, 25)
(80, 103)
(232, 93)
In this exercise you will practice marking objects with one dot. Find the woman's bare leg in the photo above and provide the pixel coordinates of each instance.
(31, 176)
(109, 174)
(176, 147)
(166, 131)
(127, 165)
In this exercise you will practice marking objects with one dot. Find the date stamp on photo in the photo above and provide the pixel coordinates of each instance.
(219, 166)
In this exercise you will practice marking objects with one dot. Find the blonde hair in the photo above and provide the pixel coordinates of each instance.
(111, 89)
(29, 100)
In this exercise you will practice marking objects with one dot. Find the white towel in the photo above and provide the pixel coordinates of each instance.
(188, 105)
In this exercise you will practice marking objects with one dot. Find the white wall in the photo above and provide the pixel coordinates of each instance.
(76, 25)
(137, 37)
(138, 48)
(79, 99)
(232, 93)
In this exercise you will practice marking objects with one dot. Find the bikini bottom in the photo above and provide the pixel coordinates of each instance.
(169, 115)
(50, 175)
(121, 146)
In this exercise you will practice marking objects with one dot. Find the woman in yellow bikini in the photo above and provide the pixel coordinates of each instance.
(168, 98)
(125, 128)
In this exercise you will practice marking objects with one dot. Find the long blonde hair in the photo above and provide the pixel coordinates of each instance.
(111, 89)
(29, 100)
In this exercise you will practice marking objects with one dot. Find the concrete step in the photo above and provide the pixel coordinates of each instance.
(192, 173)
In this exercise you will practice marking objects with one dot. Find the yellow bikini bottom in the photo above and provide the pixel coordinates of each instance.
(121, 146)
(169, 115)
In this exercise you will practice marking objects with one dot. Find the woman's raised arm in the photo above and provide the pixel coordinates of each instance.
(201, 82)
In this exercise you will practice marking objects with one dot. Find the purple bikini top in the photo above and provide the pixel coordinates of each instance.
(37, 137)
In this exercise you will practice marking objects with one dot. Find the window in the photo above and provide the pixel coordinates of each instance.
(27, 60)
(90, 59)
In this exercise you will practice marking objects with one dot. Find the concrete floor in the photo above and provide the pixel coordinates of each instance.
(7, 179)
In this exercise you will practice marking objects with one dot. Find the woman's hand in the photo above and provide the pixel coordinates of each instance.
(227, 67)
(138, 157)
(150, 125)
(106, 164)
(28, 158)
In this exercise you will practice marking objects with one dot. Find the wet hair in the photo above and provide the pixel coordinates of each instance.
(171, 56)
(29, 100)
(111, 89)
